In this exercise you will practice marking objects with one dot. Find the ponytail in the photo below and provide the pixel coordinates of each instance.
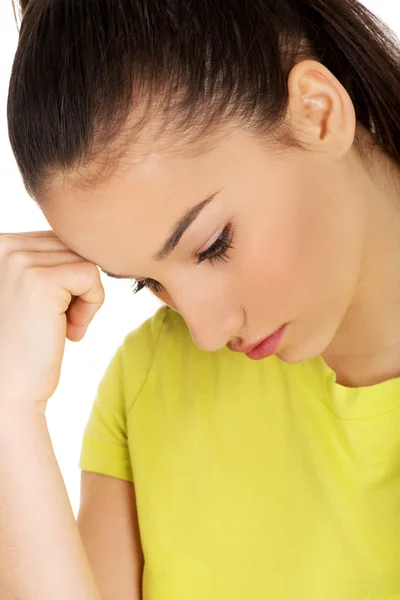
(23, 5)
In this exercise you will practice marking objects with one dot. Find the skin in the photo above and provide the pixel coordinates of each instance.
(316, 235)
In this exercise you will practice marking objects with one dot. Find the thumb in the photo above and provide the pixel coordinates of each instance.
(79, 312)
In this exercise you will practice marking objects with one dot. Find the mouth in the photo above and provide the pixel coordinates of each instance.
(266, 347)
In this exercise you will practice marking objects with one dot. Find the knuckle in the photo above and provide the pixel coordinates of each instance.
(88, 266)
(35, 278)
(91, 267)
(93, 271)
(7, 243)
(102, 297)
(19, 260)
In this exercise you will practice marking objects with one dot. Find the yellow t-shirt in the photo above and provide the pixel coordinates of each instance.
(255, 480)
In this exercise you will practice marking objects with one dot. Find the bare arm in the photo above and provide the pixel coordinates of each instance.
(109, 528)
(42, 556)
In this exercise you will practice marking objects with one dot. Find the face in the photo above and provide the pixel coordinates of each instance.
(291, 219)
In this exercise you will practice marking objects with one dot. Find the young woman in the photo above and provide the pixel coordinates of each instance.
(241, 160)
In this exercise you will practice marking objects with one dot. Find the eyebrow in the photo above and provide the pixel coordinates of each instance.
(176, 234)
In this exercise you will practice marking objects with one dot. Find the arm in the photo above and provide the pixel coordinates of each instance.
(109, 528)
(42, 556)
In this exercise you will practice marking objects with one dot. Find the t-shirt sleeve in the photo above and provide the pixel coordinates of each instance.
(105, 444)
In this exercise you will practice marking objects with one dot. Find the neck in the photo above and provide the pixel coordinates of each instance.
(366, 348)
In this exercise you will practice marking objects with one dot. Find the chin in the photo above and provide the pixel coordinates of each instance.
(291, 355)
(300, 352)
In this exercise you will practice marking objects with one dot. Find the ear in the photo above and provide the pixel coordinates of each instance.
(321, 110)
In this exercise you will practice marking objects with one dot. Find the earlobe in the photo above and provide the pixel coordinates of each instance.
(321, 109)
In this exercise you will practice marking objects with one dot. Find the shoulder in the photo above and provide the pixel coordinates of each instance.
(165, 325)
(135, 353)
(159, 343)
(163, 339)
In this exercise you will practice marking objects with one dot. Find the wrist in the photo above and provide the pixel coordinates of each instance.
(14, 421)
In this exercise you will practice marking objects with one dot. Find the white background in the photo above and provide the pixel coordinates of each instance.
(84, 362)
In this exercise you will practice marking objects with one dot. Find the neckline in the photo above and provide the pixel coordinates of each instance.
(354, 404)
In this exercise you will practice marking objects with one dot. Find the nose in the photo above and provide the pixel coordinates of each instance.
(209, 305)
(211, 327)
(210, 334)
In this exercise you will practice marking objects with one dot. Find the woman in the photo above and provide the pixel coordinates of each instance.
(241, 160)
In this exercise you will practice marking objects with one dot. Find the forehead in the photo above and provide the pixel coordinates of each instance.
(122, 222)
(125, 214)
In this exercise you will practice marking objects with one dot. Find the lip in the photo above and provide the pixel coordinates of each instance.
(266, 347)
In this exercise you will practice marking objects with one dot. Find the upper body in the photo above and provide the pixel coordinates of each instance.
(242, 161)
(253, 479)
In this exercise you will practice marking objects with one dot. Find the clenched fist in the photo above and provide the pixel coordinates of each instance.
(47, 293)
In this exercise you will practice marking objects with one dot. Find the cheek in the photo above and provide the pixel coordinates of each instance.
(272, 260)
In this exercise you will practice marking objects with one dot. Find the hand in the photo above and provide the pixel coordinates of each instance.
(47, 293)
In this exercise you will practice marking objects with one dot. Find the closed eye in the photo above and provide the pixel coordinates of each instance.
(217, 252)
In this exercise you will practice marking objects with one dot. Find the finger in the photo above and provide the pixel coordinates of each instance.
(82, 280)
(46, 233)
(54, 258)
(16, 243)
(80, 313)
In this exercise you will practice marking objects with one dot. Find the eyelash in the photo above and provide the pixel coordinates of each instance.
(218, 252)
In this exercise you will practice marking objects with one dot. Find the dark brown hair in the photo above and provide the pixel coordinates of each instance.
(89, 75)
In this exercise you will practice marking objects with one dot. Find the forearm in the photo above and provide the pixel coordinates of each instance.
(42, 556)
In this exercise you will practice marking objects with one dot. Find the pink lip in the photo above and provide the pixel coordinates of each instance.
(266, 347)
